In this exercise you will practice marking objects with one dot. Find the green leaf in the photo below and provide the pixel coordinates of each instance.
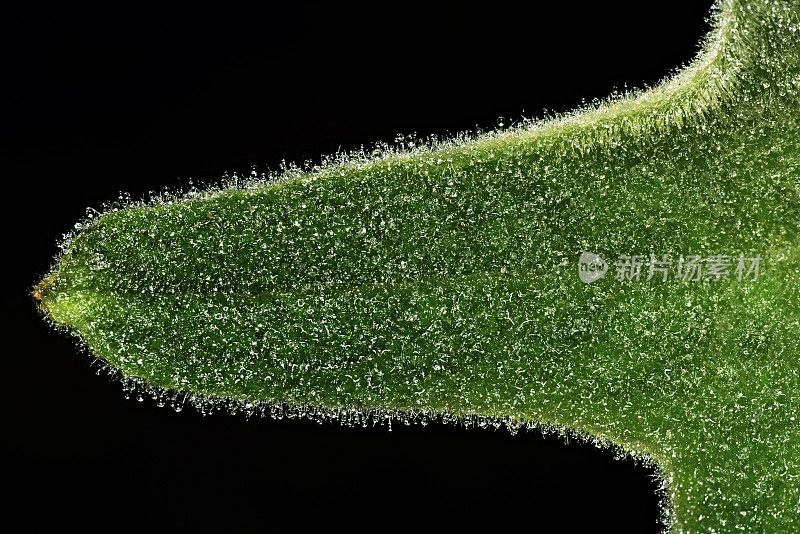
(443, 281)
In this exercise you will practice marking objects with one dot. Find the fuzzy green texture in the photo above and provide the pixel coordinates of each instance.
(443, 279)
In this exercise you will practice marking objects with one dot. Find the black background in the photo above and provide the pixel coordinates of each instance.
(106, 98)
